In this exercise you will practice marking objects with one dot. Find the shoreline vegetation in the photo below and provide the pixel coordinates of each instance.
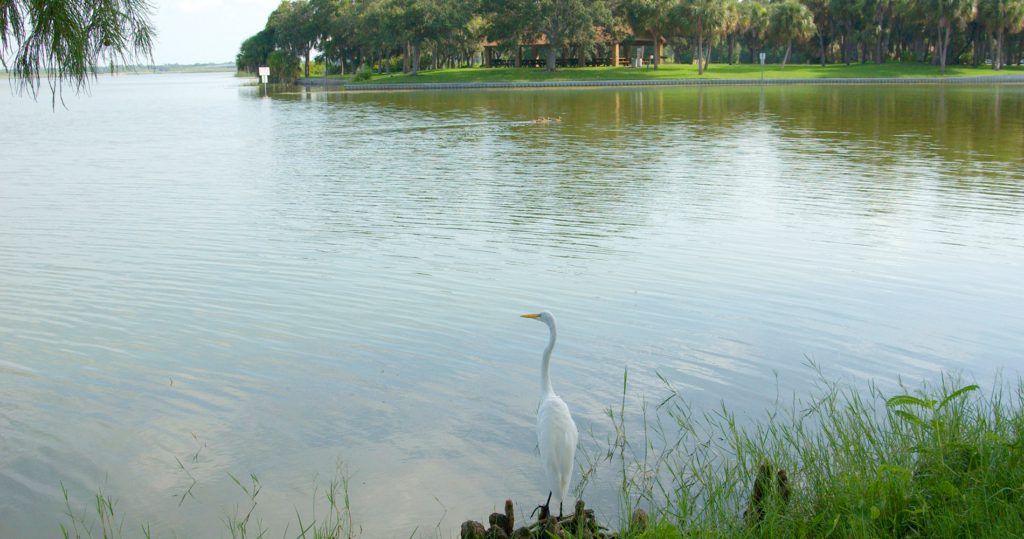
(185, 68)
(414, 37)
(943, 461)
(667, 74)
(686, 71)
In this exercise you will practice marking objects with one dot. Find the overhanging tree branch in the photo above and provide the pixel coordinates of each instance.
(66, 41)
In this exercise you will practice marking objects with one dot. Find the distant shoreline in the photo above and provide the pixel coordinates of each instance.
(372, 87)
(154, 70)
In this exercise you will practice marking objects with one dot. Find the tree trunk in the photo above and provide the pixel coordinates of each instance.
(979, 47)
(944, 48)
(789, 47)
(552, 60)
(405, 58)
(821, 44)
(657, 49)
(731, 43)
(307, 63)
(415, 59)
(753, 56)
(700, 53)
(997, 55)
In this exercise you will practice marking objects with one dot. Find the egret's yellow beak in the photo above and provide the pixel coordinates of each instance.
(530, 315)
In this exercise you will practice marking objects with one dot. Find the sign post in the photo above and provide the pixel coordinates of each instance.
(762, 67)
(265, 73)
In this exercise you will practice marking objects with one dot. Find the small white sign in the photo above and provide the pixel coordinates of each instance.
(762, 58)
(265, 71)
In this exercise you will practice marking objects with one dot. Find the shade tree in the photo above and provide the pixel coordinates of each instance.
(999, 18)
(790, 21)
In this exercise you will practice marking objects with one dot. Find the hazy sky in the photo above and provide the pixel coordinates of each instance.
(193, 31)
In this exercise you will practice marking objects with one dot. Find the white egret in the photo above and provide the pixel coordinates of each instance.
(556, 431)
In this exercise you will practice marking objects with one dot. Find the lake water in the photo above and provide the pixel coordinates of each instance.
(197, 280)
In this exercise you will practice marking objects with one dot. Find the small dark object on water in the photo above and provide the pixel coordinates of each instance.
(579, 514)
(472, 529)
(579, 525)
(545, 510)
(638, 522)
(499, 520)
(510, 517)
(763, 487)
(500, 526)
(549, 527)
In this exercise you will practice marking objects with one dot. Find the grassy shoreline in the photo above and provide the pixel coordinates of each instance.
(944, 461)
(669, 72)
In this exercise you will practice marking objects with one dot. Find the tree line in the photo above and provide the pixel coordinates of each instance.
(411, 35)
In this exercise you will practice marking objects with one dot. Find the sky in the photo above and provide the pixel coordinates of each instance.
(201, 31)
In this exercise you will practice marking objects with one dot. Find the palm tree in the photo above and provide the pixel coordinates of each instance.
(731, 27)
(1001, 17)
(702, 21)
(753, 26)
(791, 21)
(822, 23)
(945, 15)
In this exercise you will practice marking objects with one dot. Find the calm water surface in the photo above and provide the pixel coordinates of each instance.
(273, 285)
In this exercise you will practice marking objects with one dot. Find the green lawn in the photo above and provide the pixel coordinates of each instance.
(679, 71)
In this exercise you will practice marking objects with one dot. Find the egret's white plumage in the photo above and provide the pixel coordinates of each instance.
(556, 431)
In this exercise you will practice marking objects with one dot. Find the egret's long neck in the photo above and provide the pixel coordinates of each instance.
(545, 366)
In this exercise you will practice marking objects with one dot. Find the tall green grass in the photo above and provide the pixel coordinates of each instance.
(943, 461)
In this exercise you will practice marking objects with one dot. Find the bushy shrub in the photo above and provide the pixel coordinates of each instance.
(364, 73)
(284, 67)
